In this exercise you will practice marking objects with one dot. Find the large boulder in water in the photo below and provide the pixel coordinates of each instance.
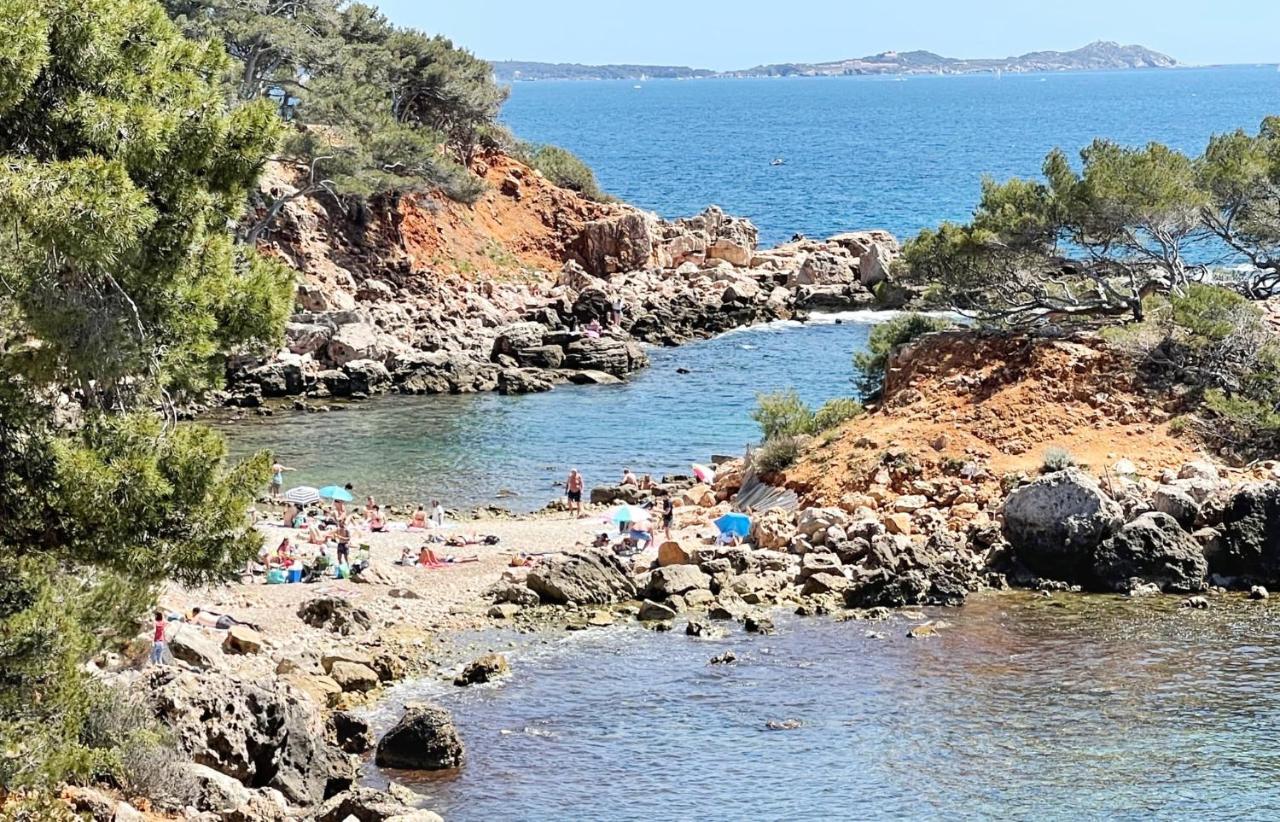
(585, 577)
(424, 739)
(1151, 549)
(260, 736)
(1056, 522)
(609, 354)
(1251, 534)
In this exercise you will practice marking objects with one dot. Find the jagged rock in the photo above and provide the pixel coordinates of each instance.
(817, 562)
(890, 591)
(1154, 549)
(366, 376)
(352, 732)
(523, 381)
(757, 624)
(215, 792)
(541, 356)
(1251, 535)
(824, 583)
(485, 669)
(621, 243)
(354, 341)
(619, 494)
(651, 611)
(771, 530)
(259, 736)
(424, 739)
(504, 610)
(1055, 522)
(675, 579)
(874, 263)
(673, 553)
(608, 354)
(334, 614)
(585, 577)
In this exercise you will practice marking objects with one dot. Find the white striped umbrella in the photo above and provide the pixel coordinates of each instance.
(302, 495)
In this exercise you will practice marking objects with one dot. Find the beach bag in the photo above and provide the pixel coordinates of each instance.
(276, 576)
(342, 571)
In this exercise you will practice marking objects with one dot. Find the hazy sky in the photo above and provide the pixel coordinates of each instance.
(726, 35)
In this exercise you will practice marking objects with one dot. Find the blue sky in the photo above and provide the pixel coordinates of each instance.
(725, 35)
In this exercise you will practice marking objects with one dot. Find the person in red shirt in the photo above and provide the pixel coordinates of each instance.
(158, 642)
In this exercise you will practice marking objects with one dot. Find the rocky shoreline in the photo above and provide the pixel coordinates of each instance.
(271, 719)
(377, 318)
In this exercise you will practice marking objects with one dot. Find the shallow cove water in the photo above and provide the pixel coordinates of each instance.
(485, 448)
(1087, 707)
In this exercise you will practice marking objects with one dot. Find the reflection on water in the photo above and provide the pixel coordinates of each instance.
(469, 450)
(1024, 708)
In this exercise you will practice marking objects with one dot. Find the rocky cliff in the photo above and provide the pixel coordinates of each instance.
(419, 294)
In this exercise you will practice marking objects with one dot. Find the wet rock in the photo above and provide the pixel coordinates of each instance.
(1055, 522)
(651, 611)
(724, 659)
(334, 614)
(758, 624)
(1196, 603)
(783, 724)
(889, 590)
(523, 381)
(485, 669)
(1152, 548)
(352, 732)
(585, 577)
(424, 739)
(1258, 592)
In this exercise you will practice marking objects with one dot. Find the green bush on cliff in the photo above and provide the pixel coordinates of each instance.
(836, 411)
(121, 167)
(562, 167)
(782, 414)
(777, 454)
(870, 365)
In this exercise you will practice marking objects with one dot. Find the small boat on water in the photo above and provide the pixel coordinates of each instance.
(778, 161)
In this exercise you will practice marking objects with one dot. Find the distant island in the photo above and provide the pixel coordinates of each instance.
(1101, 55)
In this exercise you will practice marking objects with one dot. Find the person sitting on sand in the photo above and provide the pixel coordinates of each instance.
(629, 478)
(285, 555)
(377, 523)
(314, 535)
(729, 538)
(418, 522)
(601, 540)
(406, 557)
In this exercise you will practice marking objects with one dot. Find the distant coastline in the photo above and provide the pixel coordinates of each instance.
(1098, 56)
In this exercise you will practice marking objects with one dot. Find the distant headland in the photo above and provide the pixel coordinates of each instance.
(1100, 55)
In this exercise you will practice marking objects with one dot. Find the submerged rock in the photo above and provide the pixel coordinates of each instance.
(485, 669)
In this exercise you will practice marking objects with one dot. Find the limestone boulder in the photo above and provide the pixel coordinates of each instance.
(1055, 523)
(586, 577)
(334, 614)
(675, 579)
(1250, 529)
(352, 676)
(614, 244)
(354, 341)
(483, 669)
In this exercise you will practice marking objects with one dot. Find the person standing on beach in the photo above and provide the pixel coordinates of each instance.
(668, 514)
(343, 536)
(159, 643)
(573, 491)
(277, 479)
(437, 513)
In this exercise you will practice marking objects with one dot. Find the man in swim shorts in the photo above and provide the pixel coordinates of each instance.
(573, 491)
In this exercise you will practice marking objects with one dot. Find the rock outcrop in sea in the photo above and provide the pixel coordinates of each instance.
(426, 296)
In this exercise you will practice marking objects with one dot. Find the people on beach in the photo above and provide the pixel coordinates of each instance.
(343, 535)
(377, 522)
(573, 491)
(668, 509)
(418, 522)
(593, 329)
(437, 513)
(159, 642)
(628, 478)
(314, 535)
(277, 479)
(427, 558)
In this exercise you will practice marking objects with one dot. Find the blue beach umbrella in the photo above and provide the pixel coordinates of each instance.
(332, 492)
(629, 513)
(735, 523)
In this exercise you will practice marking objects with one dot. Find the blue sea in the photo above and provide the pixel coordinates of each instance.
(901, 153)
(1069, 708)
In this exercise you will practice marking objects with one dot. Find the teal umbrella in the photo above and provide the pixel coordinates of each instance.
(336, 492)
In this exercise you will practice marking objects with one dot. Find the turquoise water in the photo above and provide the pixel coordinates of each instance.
(898, 153)
(1069, 708)
(479, 449)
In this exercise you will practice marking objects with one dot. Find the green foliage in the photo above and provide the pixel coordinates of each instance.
(122, 168)
(777, 454)
(375, 108)
(836, 411)
(1209, 314)
(563, 168)
(1056, 459)
(782, 414)
(870, 365)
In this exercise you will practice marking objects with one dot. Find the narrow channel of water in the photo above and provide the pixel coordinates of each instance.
(472, 450)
